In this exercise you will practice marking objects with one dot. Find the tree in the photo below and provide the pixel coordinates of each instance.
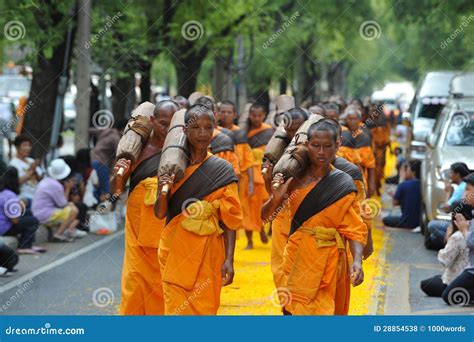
(51, 28)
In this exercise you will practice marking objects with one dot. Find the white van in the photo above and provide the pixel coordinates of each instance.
(429, 100)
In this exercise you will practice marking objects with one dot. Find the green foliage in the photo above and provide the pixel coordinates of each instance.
(416, 36)
(42, 25)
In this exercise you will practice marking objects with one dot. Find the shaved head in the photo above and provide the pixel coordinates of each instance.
(165, 106)
(196, 111)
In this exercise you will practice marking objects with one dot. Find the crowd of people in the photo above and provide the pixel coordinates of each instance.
(180, 230)
(56, 195)
(179, 249)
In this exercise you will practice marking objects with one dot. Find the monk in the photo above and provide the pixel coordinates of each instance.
(317, 109)
(222, 143)
(356, 174)
(142, 292)
(293, 119)
(182, 101)
(259, 134)
(332, 110)
(380, 130)
(357, 146)
(323, 205)
(227, 117)
(202, 212)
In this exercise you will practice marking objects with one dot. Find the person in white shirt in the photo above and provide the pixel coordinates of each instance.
(29, 170)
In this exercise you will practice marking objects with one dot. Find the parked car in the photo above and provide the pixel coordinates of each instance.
(451, 141)
(429, 100)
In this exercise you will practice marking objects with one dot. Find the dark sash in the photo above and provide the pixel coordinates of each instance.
(227, 132)
(329, 190)
(347, 167)
(377, 119)
(221, 142)
(347, 139)
(147, 168)
(261, 138)
(212, 174)
(364, 139)
(240, 137)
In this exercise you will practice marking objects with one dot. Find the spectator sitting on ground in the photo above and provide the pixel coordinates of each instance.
(103, 156)
(454, 257)
(457, 172)
(437, 228)
(8, 259)
(77, 191)
(461, 290)
(50, 203)
(29, 170)
(84, 167)
(408, 196)
(14, 218)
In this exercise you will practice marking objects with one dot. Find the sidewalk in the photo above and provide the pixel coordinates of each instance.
(408, 262)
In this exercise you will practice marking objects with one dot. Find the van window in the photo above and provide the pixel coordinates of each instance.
(430, 111)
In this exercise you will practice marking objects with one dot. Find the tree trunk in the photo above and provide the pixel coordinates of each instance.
(337, 78)
(145, 83)
(283, 83)
(39, 113)
(122, 92)
(81, 137)
(262, 95)
(187, 70)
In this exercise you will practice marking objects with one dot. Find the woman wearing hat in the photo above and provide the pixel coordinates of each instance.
(50, 205)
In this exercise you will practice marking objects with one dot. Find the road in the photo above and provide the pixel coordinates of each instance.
(83, 278)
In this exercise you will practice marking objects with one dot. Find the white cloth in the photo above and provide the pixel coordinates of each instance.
(27, 189)
(454, 256)
(92, 182)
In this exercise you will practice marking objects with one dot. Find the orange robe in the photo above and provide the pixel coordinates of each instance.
(358, 149)
(191, 263)
(280, 231)
(255, 202)
(349, 152)
(245, 157)
(380, 140)
(230, 156)
(142, 292)
(20, 113)
(316, 264)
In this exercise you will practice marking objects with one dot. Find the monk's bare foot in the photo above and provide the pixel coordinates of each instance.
(249, 246)
(263, 237)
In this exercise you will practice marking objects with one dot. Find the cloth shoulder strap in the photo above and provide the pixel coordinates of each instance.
(212, 174)
(329, 190)
(221, 142)
(348, 167)
(364, 139)
(240, 137)
(261, 138)
(147, 168)
(347, 139)
(227, 132)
